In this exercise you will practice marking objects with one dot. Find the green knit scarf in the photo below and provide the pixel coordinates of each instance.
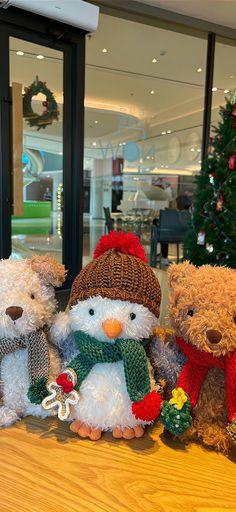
(131, 352)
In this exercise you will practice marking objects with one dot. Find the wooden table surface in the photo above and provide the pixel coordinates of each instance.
(46, 468)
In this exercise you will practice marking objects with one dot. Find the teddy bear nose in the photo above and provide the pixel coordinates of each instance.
(213, 336)
(14, 312)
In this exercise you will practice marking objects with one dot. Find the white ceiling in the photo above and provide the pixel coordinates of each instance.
(222, 12)
(118, 83)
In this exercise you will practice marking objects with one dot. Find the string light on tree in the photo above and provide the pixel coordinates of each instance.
(59, 210)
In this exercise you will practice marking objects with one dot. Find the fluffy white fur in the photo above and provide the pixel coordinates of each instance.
(21, 286)
(104, 400)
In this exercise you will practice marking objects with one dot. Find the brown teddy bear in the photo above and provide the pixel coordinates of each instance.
(203, 314)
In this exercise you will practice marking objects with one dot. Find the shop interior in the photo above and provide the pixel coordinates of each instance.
(143, 132)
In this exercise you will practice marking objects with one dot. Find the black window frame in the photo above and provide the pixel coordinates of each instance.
(15, 23)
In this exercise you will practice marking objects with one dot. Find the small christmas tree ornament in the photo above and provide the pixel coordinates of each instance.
(175, 414)
(220, 201)
(232, 162)
(201, 237)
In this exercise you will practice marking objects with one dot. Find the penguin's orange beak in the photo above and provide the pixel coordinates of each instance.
(112, 328)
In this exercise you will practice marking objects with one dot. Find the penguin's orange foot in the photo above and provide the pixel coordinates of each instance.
(128, 433)
(84, 430)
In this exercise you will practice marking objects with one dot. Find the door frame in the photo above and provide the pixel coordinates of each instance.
(14, 23)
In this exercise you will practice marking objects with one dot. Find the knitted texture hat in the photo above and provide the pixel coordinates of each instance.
(119, 271)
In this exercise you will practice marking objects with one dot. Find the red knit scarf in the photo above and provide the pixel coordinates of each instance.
(195, 370)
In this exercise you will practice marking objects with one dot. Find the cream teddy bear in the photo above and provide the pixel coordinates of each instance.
(27, 359)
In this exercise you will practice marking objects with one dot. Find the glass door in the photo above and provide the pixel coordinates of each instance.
(36, 77)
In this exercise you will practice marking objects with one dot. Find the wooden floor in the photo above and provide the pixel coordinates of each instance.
(46, 468)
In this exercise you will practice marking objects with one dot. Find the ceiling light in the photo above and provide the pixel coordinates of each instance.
(20, 53)
(120, 144)
(152, 92)
(163, 133)
(192, 149)
(154, 60)
(148, 157)
(168, 131)
(166, 166)
(231, 76)
(96, 122)
(94, 143)
(40, 57)
(226, 91)
(214, 89)
(104, 50)
(124, 143)
(199, 70)
(162, 166)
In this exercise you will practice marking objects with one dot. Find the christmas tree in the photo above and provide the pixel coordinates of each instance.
(212, 234)
(175, 414)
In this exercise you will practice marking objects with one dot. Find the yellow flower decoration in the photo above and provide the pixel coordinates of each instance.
(162, 332)
(179, 398)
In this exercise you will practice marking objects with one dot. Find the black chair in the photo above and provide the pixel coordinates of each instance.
(172, 229)
(109, 221)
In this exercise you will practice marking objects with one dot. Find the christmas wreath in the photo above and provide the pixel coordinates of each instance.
(51, 112)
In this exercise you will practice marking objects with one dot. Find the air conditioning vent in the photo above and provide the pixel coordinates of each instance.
(77, 13)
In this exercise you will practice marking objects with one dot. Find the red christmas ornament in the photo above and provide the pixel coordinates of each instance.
(232, 163)
(147, 409)
(220, 201)
(45, 104)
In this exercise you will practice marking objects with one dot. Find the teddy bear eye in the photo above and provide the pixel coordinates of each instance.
(91, 312)
(132, 316)
(32, 296)
(190, 312)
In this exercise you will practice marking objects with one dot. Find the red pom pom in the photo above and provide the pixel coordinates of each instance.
(147, 409)
(127, 243)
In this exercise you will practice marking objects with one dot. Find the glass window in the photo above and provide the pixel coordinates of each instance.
(37, 223)
(143, 126)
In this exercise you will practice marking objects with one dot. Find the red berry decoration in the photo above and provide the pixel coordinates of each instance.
(147, 409)
(66, 384)
(232, 163)
(45, 104)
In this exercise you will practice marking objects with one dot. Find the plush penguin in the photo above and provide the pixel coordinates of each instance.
(113, 310)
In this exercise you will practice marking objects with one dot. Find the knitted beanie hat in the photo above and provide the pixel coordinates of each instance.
(119, 271)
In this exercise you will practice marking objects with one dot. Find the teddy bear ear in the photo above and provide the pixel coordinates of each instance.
(49, 269)
(177, 273)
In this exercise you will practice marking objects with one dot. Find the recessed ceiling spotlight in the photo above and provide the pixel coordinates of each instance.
(95, 122)
(104, 50)
(162, 166)
(163, 133)
(152, 92)
(124, 143)
(168, 131)
(214, 89)
(40, 57)
(19, 53)
(199, 70)
(94, 143)
(192, 149)
(148, 157)
(120, 143)
(166, 166)
(231, 76)
(154, 60)
(226, 91)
